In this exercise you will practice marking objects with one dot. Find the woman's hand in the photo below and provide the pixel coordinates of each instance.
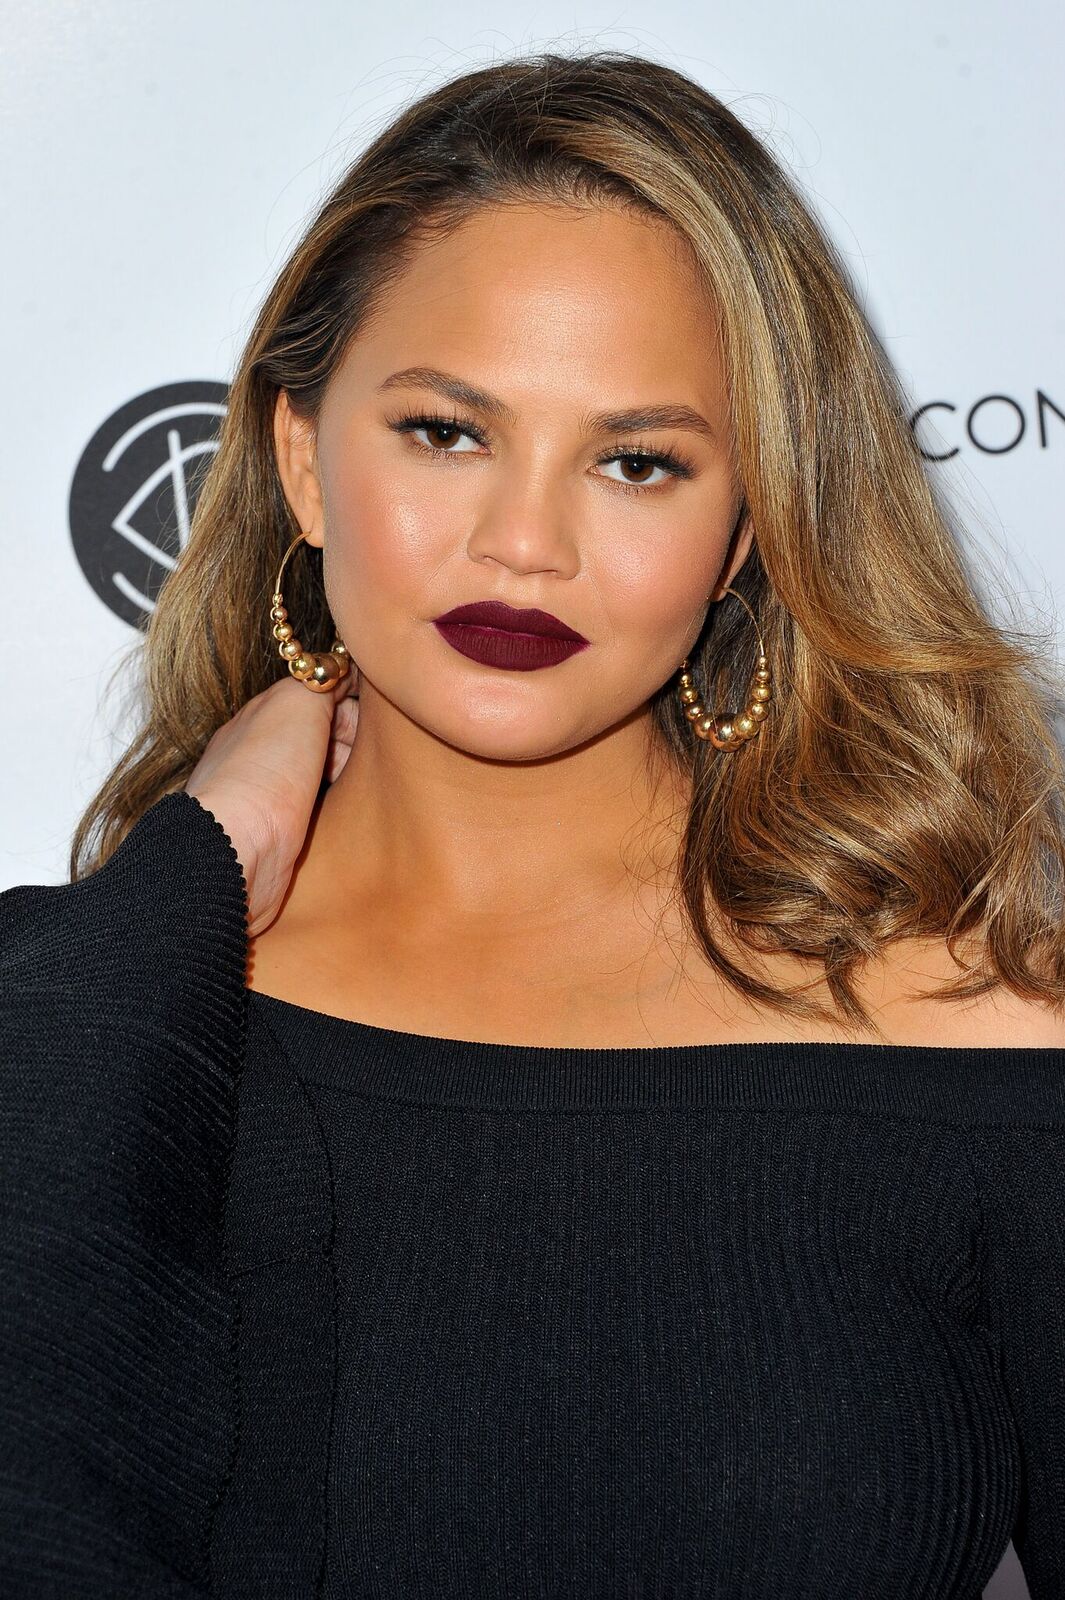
(260, 774)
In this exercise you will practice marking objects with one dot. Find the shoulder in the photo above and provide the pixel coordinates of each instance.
(999, 1070)
(904, 993)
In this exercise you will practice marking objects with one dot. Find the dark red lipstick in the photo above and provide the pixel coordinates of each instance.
(517, 639)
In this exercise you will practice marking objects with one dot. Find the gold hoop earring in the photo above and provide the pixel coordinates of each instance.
(318, 671)
(730, 731)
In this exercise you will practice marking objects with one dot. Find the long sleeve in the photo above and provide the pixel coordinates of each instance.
(1021, 1174)
(121, 1038)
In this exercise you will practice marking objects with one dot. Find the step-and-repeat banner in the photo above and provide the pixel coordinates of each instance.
(159, 161)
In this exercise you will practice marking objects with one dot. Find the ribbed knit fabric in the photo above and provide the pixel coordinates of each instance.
(296, 1306)
(122, 1014)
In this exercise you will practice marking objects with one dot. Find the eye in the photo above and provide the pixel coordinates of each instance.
(664, 461)
(449, 427)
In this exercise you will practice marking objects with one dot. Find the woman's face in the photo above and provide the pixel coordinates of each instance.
(463, 454)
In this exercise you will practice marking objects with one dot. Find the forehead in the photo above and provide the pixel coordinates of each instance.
(540, 302)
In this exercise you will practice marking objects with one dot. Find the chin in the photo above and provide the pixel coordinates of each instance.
(500, 742)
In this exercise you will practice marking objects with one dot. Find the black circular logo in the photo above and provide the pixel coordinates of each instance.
(134, 490)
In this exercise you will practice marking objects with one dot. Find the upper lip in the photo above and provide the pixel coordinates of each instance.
(494, 614)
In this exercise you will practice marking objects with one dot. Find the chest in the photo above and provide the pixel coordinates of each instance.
(697, 1352)
(635, 978)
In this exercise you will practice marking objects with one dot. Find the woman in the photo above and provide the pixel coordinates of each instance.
(524, 1127)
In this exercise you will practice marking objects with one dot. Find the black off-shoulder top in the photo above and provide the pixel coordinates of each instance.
(294, 1305)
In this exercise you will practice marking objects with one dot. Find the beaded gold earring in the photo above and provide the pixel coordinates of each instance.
(728, 732)
(315, 670)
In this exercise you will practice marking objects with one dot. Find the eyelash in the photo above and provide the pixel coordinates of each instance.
(410, 420)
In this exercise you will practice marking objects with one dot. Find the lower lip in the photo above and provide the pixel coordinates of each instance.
(501, 647)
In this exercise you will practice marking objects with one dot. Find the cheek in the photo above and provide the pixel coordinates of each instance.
(653, 582)
(381, 539)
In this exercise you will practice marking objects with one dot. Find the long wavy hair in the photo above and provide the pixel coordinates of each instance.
(907, 783)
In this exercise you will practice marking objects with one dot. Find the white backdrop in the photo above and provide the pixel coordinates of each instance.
(160, 160)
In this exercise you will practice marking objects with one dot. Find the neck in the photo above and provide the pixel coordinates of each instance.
(432, 832)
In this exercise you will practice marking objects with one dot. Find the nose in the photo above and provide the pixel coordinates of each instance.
(524, 523)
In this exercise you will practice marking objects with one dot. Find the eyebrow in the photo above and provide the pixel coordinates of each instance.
(677, 416)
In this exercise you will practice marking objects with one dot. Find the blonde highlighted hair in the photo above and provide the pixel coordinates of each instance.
(907, 783)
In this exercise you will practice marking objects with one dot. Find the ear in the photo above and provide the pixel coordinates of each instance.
(295, 445)
(739, 549)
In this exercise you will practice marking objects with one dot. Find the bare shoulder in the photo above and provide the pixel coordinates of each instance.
(904, 992)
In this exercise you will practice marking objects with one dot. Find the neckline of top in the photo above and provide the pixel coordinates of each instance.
(950, 1083)
(370, 1031)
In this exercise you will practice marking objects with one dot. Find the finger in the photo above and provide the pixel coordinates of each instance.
(337, 757)
(346, 688)
(345, 720)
